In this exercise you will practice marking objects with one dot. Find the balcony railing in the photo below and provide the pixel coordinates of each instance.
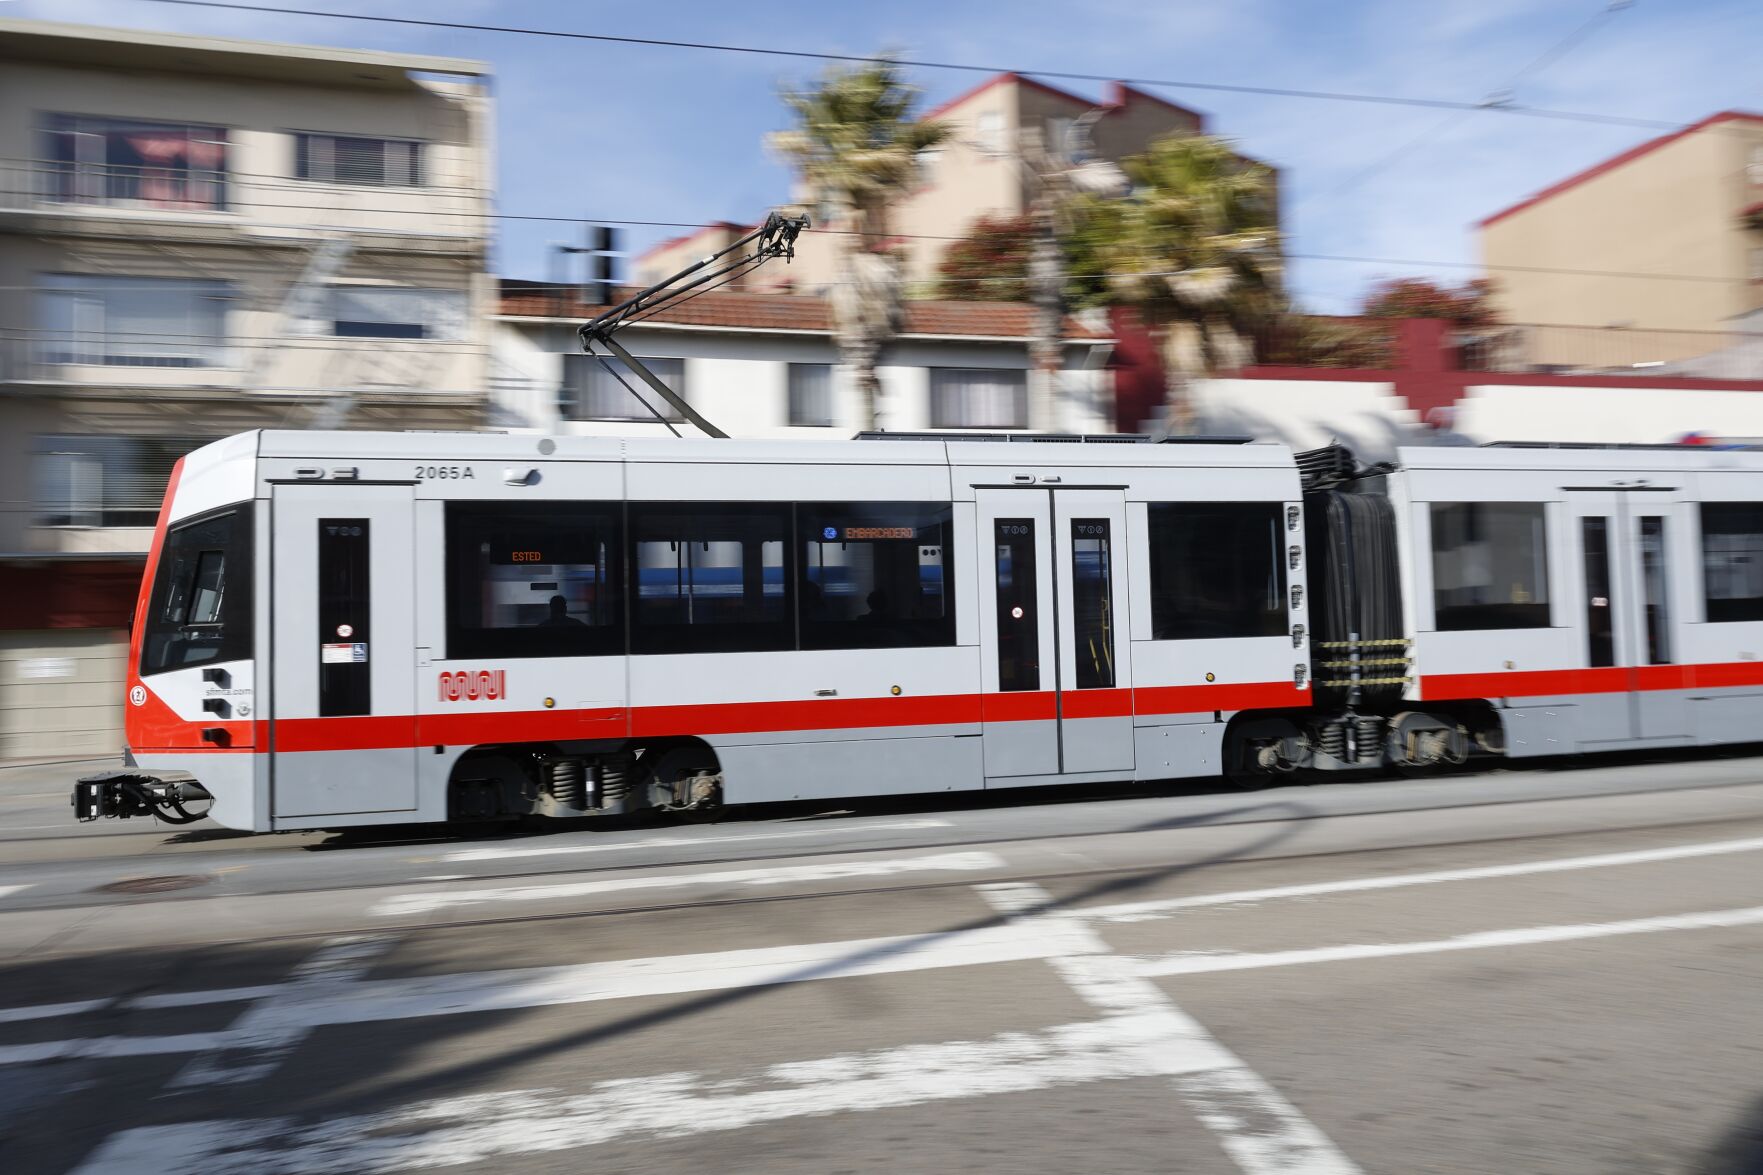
(38, 354)
(164, 188)
(429, 211)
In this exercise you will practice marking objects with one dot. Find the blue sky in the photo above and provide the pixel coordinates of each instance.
(628, 132)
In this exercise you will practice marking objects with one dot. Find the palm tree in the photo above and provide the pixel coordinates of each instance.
(855, 145)
(1194, 249)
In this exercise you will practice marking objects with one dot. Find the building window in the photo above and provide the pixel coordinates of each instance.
(1490, 566)
(118, 161)
(989, 132)
(875, 575)
(1755, 170)
(1059, 144)
(596, 388)
(811, 394)
(200, 610)
(1732, 560)
(103, 481)
(1217, 570)
(392, 312)
(534, 579)
(374, 163)
(711, 578)
(132, 321)
(978, 397)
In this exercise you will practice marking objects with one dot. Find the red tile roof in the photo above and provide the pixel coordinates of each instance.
(807, 315)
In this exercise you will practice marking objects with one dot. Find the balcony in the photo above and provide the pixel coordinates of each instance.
(171, 188)
(191, 203)
(117, 359)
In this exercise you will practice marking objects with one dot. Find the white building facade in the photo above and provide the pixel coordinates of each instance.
(766, 366)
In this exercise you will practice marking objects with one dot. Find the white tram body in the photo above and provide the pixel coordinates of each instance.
(356, 628)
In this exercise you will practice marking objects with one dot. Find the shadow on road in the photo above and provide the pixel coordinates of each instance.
(100, 1097)
(1740, 1150)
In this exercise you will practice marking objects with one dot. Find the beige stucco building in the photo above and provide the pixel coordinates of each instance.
(200, 236)
(978, 171)
(1664, 241)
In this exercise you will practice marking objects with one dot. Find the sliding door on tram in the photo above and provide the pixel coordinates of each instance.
(1623, 543)
(343, 729)
(1056, 669)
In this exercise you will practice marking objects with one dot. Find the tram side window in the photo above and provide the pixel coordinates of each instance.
(1732, 560)
(528, 580)
(1217, 570)
(875, 575)
(1490, 566)
(200, 610)
(711, 578)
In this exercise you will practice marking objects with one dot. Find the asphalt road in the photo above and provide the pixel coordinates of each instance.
(1528, 971)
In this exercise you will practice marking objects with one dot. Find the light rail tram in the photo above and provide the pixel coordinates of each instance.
(360, 628)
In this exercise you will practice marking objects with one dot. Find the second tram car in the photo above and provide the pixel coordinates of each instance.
(355, 628)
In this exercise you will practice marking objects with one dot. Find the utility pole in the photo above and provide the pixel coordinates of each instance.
(1055, 172)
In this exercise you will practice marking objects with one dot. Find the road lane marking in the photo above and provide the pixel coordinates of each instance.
(8, 890)
(259, 1039)
(496, 1128)
(50, 1011)
(1262, 1132)
(675, 842)
(302, 1008)
(195, 999)
(415, 904)
(1199, 963)
(109, 1046)
(1161, 908)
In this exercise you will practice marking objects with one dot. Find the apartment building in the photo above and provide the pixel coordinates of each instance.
(1659, 248)
(764, 365)
(199, 236)
(981, 169)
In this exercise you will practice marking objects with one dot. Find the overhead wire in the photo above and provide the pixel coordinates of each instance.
(920, 63)
(1548, 57)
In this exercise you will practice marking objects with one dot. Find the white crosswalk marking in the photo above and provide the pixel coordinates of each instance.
(689, 842)
(1263, 1132)
(416, 904)
(1164, 907)
(1201, 963)
(256, 1043)
(51, 1011)
(488, 1127)
(299, 1007)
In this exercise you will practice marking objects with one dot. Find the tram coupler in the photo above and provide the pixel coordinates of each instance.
(123, 794)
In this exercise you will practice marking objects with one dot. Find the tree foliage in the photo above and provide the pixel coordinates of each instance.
(855, 145)
(991, 263)
(1468, 306)
(1196, 240)
(855, 142)
(1194, 248)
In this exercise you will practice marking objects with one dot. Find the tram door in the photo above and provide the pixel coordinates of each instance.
(1623, 541)
(343, 731)
(1057, 675)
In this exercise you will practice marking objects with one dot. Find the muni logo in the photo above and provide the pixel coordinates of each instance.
(474, 685)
